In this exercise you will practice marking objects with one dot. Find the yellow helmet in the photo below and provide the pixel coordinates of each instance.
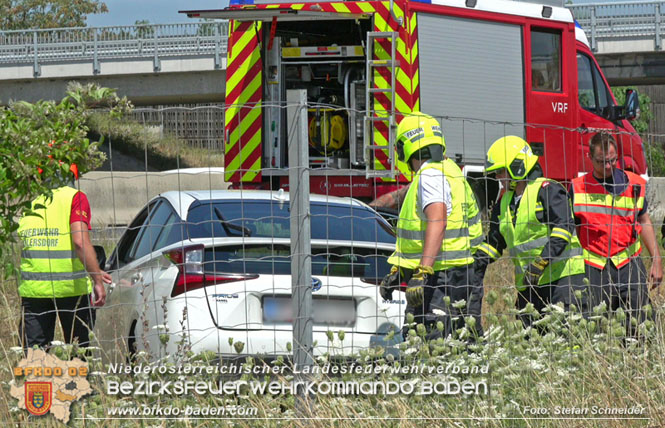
(417, 131)
(512, 153)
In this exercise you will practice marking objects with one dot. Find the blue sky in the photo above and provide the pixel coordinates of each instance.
(127, 12)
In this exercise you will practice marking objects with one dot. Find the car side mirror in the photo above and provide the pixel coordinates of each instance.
(632, 105)
(101, 255)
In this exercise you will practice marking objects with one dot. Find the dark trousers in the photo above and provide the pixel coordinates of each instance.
(457, 283)
(621, 288)
(561, 291)
(39, 315)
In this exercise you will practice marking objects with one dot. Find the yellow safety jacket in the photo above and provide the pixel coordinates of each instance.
(526, 238)
(49, 264)
(455, 248)
(473, 212)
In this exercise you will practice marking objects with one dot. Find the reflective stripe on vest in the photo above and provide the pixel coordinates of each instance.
(48, 254)
(455, 248)
(527, 237)
(620, 259)
(601, 215)
(49, 265)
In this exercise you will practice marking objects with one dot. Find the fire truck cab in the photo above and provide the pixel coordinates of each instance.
(484, 68)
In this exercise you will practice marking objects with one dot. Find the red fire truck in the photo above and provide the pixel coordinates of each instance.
(484, 68)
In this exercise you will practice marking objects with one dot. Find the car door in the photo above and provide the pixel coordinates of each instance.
(115, 319)
(153, 273)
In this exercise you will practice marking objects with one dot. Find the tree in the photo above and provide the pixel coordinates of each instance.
(143, 29)
(39, 142)
(25, 14)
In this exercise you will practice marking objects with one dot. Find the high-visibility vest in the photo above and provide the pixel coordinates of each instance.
(49, 264)
(455, 248)
(607, 226)
(473, 212)
(526, 238)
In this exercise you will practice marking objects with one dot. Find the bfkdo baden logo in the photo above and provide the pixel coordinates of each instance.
(38, 397)
(51, 385)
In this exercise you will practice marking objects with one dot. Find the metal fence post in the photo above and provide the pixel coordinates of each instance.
(301, 247)
(95, 55)
(156, 66)
(36, 70)
(218, 43)
(593, 29)
(659, 41)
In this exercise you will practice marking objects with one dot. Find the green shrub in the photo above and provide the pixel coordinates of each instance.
(655, 156)
(39, 142)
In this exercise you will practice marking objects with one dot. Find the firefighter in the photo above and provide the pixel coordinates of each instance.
(533, 220)
(611, 214)
(433, 250)
(56, 260)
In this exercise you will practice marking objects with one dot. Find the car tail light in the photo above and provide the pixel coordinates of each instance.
(191, 276)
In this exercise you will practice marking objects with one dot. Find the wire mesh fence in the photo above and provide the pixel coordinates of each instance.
(197, 267)
(202, 265)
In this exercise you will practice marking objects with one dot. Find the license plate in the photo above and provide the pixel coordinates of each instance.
(325, 311)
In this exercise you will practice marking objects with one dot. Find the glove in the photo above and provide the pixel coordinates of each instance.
(534, 271)
(389, 283)
(415, 290)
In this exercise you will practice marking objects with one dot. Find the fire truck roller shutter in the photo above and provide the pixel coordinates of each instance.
(471, 69)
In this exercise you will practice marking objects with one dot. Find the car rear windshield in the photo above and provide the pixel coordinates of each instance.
(271, 219)
(276, 260)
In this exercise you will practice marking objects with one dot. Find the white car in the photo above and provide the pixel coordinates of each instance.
(204, 270)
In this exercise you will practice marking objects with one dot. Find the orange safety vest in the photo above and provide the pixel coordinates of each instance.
(608, 228)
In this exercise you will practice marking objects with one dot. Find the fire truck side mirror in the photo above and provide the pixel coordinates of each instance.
(632, 106)
(630, 110)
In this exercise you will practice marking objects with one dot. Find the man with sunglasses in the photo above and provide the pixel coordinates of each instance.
(611, 215)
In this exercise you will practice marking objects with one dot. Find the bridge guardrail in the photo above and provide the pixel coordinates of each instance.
(621, 20)
(600, 21)
(37, 47)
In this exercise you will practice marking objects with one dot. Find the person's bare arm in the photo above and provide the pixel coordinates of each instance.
(649, 241)
(391, 199)
(437, 219)
(86, 253)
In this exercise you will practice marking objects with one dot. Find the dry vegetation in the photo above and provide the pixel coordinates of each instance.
(581, 363)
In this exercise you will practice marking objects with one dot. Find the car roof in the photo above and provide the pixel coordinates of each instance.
(182, 200)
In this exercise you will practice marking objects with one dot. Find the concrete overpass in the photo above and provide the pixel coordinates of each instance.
(151, 64)
(185, 63)
(627, 38)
